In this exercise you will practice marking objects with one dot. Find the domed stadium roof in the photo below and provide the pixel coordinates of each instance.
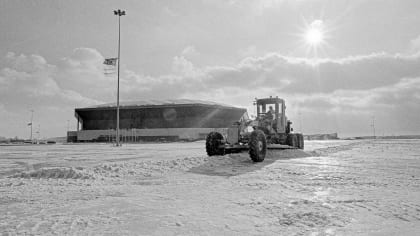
(166, 102)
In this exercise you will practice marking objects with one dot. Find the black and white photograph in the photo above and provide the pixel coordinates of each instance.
(210, 117)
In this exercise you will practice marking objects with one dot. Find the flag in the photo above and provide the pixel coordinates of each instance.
(110, 61)
(29, 124)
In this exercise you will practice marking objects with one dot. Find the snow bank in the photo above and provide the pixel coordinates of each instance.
(228, 165)
(334, 149)
(147, 168)
(55, 173)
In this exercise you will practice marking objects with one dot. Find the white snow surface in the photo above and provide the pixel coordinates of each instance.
(369, 187)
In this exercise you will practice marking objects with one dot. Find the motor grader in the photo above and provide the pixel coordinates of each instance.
(270, 130)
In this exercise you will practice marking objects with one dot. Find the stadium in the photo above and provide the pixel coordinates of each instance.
(167, 120)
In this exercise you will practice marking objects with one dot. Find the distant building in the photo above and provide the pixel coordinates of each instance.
(168, 120)
(321, 136)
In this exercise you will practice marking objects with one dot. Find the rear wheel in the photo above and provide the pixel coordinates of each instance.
(300, 141)
(292, 140)
(257, 146)
(213, 142)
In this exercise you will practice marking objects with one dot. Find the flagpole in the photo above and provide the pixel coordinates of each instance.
(119, 13)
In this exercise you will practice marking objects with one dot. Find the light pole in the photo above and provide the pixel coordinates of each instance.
(118, 13)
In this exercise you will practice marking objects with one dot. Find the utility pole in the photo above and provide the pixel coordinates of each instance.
(373, 127)
(119, 13)
(300, 122)
(254, 103)
(38, 133)
(32, 117)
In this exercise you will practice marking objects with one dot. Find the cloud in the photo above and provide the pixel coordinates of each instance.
(184, 67)
(190, 52)
(352, 83)
(29, 64)
(349, 112)
(404, 93)
(30, 79)
(26, 76)
(296, 75)
(278, 74)
(83, 71)
(317, 24)
(352, 87)
(30, 82)
(415, 44)
(338, 94)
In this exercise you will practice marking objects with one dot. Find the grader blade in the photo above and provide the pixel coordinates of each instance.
(280, 147)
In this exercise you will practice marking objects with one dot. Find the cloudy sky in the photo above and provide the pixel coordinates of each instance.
(362, 63)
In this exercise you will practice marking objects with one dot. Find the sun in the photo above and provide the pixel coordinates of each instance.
(314, 37)
(314, 33)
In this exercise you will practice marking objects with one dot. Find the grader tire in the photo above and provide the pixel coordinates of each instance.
(213, 143)
(301, 142)
(257, 146)
(292, 140)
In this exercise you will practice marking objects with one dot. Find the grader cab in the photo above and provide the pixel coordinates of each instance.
(270, 130)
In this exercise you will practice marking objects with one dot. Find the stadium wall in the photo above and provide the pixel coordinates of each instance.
(154, 121)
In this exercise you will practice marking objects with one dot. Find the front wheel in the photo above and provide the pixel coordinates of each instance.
(213, 142)
(257, 146)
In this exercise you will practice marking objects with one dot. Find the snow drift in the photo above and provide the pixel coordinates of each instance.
(54, 173)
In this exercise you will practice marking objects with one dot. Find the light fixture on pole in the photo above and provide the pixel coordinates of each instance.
(118, 13)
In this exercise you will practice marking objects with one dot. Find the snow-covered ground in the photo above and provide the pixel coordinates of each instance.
(331, 188)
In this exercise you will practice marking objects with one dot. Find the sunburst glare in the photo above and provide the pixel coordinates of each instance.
(314, 33)
(313, 37)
